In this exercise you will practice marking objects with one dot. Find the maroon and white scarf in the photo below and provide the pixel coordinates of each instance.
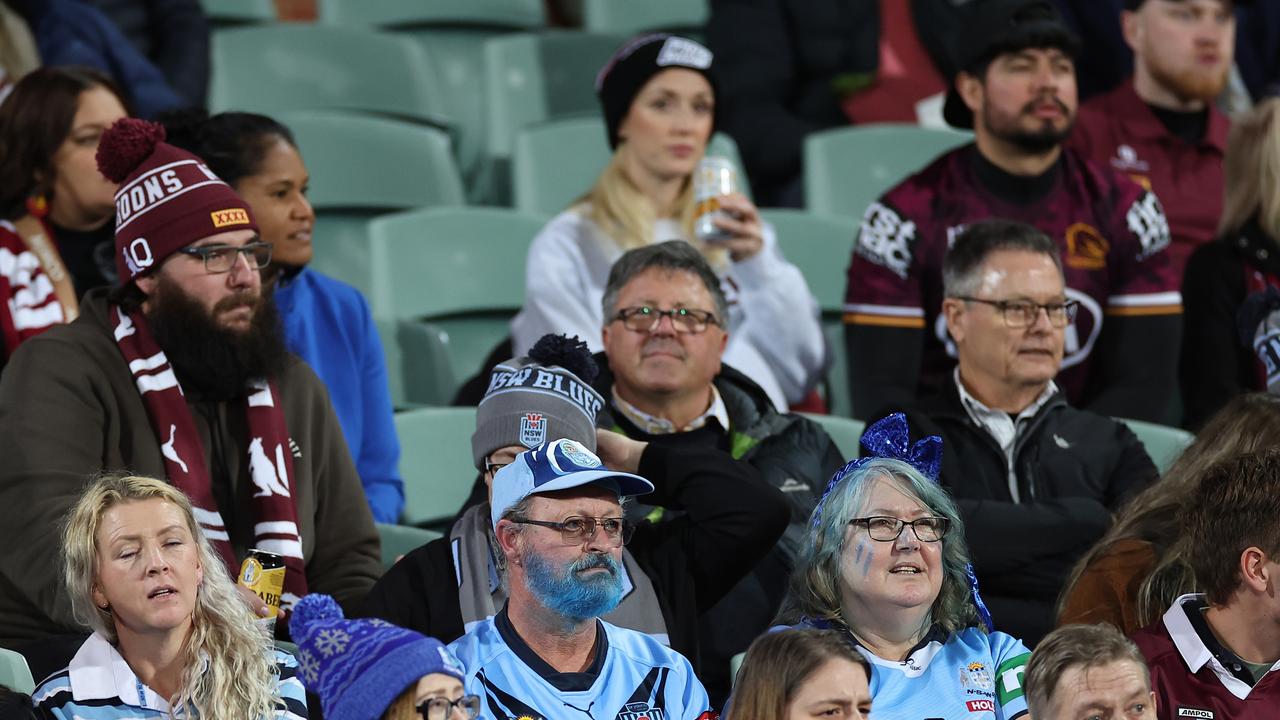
(275, 517)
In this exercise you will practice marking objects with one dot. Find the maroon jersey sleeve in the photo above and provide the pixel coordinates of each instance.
(884, 281)
(1144, 280)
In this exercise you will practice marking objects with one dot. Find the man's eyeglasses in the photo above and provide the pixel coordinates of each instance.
(684, 320)
(221, 258)
(492, 467)
(576, 530)
(439, 708)
(1023, 313)
(887, 529)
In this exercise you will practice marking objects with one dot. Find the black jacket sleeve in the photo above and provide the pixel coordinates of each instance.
(883, 366)
(420, 593)
(1212, 356)
(179, 35)
(728, 519)
(1136, 368)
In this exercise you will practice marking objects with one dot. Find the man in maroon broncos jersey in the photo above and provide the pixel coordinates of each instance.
(1018, 93)
(1216, 655)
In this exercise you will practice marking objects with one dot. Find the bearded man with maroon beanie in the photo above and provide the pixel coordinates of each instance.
(181, 373)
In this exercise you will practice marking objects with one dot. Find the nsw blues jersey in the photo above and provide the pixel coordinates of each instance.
(638, 678)
(969, 675)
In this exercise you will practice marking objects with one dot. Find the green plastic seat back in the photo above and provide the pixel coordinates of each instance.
(400, 540)
(629, 17)
(1163, 443)
(232, 13)
(435, 461)
(14, 673)
(425, 368)
(556, 162)
(846, 169)
(843, 431)
(394, 14)
(820, 247)
(460, 268)
(296, 66)
(543, 76)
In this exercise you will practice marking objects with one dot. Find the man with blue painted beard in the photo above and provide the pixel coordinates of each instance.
(558, 516)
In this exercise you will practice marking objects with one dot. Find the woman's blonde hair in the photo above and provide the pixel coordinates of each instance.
(404, 707)
(1248, 423)
(622, 212)
(1252, 171)
(240, 680)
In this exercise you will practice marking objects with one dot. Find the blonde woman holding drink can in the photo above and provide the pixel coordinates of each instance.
(172, 636)
(658, 97)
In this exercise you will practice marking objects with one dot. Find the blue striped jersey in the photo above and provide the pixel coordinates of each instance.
(100, 685)
(634, 677)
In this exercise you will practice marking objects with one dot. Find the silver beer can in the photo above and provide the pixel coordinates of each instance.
(714, 178)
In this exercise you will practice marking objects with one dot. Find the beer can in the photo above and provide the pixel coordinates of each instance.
(714, 178)
(263, 573)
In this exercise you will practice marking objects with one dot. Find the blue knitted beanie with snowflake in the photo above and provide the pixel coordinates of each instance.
(359, 667)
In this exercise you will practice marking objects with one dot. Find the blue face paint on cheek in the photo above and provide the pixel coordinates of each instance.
(864, 554)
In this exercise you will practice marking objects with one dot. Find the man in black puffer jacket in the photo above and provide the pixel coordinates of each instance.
(1036, 480)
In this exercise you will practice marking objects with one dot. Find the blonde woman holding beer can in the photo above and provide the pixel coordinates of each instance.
(172, 637)
(658, 97)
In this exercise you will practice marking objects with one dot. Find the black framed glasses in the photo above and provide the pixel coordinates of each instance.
(221, 258)
(685, 320)
(442, 709)
(1023, 313)
(492, 467)
(882, 528)
(576, 529)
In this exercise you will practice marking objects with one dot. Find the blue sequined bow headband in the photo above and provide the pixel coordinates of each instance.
(890, 438)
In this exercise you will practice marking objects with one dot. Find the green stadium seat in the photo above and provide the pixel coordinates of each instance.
(452, 33)
(530, 78)
(629, 17)
(820, 246)
(555, 162)
(427, 379)
(845, 432)
(293, 66)
(362, 167)
(397, 14)
(232, 13)
(846, 169)
(435, 462)
(14, 673)
(462, 269)
(400, 540)
(1163, 443)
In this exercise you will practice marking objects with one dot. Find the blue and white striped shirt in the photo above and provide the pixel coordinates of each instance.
(100, 685)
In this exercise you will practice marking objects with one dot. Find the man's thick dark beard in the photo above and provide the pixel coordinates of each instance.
(1038, 143)
(213, 362)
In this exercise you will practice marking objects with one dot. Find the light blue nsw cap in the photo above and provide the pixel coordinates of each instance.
(557, 465)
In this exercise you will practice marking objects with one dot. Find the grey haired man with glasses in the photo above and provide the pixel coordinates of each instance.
(666, 326)
(1036, 479)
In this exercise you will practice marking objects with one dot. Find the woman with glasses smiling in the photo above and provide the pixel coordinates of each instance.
(659, 101)
(886, 563)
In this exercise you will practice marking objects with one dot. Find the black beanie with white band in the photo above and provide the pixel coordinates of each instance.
(621, 79)
(543, 396)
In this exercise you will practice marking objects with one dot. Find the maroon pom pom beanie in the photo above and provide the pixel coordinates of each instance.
(167, 199)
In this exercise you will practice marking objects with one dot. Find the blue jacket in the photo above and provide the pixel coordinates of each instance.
(72, 33)
(328, 324)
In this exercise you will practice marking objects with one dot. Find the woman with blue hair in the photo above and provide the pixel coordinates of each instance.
(886, 563)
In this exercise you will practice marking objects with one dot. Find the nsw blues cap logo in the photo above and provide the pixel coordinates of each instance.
(557, 465)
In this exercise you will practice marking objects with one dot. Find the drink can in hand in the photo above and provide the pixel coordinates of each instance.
(263, 573)
(714, 178)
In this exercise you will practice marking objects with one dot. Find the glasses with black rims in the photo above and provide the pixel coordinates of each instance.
(439, 708)
(576, 530)
(1023, 313)
(493, 467)
(684, 320)
(887, 529)
(221, 258)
